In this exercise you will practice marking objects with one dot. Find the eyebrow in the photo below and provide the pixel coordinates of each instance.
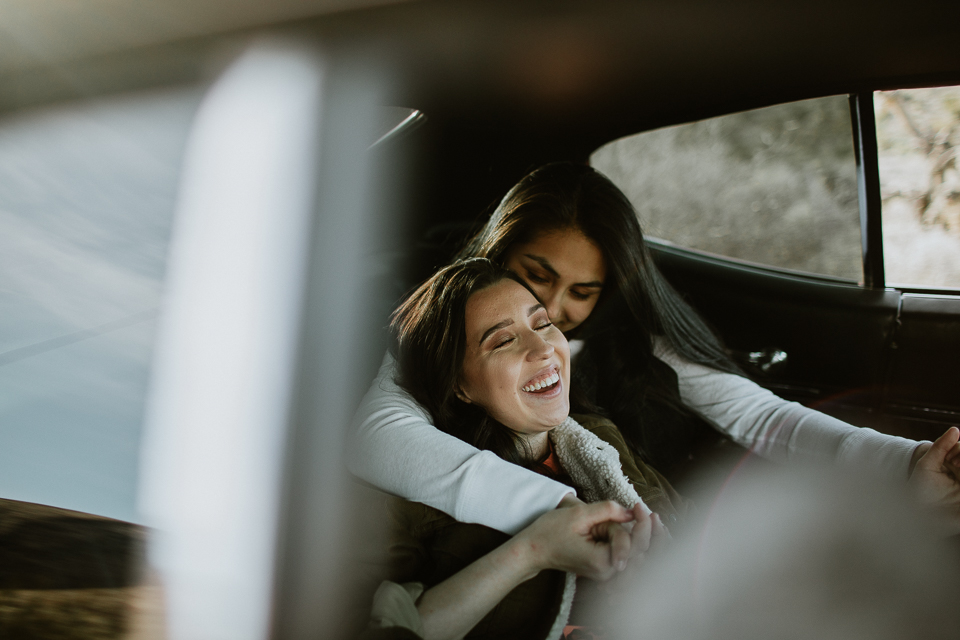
(506, 323)
(543, 262)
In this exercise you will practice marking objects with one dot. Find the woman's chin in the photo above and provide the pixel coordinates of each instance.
(551, 419)
(539, 419)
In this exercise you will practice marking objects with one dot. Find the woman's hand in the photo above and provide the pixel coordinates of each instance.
(585, 539)
(570, 539)
(935, 478)
(649, 537)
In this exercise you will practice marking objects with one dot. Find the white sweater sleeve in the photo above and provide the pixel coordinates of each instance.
(396, 448)
(780, 430)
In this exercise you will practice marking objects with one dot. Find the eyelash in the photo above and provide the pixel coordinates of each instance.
(576, 295)
(507, 341)
(535, 278)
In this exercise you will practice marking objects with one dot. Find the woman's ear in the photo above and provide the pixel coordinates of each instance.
(461, 395)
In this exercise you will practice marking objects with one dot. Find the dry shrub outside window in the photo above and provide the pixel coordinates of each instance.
(918, 131)
(775, 186)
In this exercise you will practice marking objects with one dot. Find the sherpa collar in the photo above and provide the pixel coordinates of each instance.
(594, 466)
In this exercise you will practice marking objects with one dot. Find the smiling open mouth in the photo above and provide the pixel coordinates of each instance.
(544, 385)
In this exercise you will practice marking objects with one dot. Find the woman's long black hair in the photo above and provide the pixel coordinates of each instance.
(636, 306)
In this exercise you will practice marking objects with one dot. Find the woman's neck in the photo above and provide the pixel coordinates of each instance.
(537, 444)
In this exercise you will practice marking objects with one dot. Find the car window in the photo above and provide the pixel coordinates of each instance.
(775, 186)
(918, 138)
(87, 194)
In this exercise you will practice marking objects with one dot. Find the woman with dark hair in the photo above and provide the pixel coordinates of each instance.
(647, 359)
(576, 239)
(477, 350)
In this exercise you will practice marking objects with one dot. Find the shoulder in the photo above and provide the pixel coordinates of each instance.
(664, 351)
(385, 399)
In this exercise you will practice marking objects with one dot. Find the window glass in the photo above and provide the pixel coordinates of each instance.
(775, 186)
(87, 194)
(918, 135)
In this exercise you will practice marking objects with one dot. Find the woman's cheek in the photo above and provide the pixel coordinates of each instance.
(587, 308)
(500, 376)
(578, 313)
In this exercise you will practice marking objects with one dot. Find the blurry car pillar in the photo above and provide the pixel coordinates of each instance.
(254, 382)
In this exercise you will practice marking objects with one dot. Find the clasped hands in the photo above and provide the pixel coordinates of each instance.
(596, 541)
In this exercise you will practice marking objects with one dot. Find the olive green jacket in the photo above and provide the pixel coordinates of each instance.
(427, 546)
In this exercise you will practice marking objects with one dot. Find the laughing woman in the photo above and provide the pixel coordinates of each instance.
(477, 350)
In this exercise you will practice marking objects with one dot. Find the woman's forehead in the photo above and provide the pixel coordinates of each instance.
(504, 300)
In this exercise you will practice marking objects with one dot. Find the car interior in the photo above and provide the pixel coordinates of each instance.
(469, 96)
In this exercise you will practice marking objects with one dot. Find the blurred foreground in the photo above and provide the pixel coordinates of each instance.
(785, 554)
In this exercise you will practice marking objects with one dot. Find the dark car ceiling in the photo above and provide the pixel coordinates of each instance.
(588, 70)
(507, 85)
(598, 70)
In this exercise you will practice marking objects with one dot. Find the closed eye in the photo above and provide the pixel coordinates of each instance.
(503, 343)
(536, 278)
(540, 320)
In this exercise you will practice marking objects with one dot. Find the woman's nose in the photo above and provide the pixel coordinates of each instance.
(553, 306)
(540, 349)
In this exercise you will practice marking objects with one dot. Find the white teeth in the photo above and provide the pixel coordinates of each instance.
(553, 379)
